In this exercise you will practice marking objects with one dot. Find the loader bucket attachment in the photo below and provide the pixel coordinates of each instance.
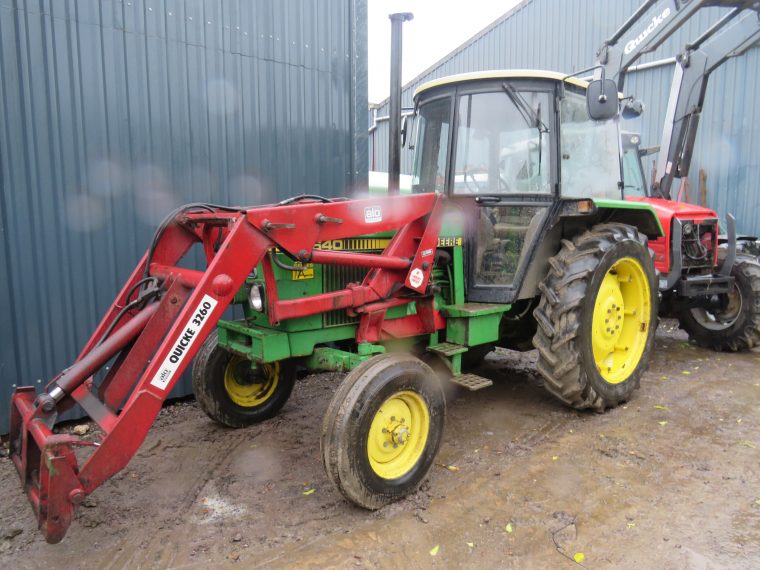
(47, 466)
(164, 312)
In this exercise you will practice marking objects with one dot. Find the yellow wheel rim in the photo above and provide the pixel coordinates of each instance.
(398, 435)
(247, 386)
(621, 320)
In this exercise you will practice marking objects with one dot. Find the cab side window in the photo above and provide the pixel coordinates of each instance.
(431, 146)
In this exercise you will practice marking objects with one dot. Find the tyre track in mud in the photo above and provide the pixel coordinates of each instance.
(528, 444)
(162, 550)
(212, 462)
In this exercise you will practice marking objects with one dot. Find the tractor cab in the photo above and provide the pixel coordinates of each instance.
(509, 148)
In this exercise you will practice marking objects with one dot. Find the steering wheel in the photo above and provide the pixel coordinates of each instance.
(471, 173)
(503, 185)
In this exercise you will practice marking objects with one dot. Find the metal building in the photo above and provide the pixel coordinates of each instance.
(564, 36)
(113, 112)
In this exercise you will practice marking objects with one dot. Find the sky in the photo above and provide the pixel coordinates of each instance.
(438, 27)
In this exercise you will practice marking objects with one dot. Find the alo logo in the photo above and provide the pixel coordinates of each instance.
(373, 214)
(653, 25)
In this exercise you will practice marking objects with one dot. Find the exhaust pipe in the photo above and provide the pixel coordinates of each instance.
(394, 135)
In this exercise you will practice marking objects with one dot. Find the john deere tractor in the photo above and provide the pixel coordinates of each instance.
(514, 234)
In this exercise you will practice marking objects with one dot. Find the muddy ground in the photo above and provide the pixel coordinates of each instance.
(670, 480)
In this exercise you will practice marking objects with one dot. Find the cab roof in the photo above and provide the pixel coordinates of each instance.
(500, 74)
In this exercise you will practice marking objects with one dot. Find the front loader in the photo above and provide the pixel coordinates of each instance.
(160, 319)
(515, 234)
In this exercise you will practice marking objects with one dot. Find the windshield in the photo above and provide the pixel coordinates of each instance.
(590, 152)
(431, 146)
(500, 146)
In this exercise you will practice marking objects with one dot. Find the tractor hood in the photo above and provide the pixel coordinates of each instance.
(667, 209)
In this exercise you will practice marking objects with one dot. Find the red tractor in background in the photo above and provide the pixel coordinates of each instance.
(720, 321)
(711, 289)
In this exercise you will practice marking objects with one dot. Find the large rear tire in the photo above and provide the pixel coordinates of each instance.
(382, 429)
(597, 317)
(737, 325)
(233, 392)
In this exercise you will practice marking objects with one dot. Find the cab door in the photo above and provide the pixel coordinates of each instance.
(502, 173)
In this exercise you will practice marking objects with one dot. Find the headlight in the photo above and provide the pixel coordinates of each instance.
(255, 299)
(687, 229)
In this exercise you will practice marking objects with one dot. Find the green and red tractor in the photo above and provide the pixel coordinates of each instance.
(489, 249)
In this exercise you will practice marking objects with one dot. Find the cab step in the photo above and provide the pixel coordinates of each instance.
(471, 381)
(447, 349)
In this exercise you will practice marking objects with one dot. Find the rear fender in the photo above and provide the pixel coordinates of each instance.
(638, 214)
(572, 217)
(645, 218)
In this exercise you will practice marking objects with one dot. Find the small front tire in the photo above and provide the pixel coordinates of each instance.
(382, 429)
(235, 394)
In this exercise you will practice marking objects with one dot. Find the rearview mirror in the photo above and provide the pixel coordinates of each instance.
(403, 130)
(602, 99)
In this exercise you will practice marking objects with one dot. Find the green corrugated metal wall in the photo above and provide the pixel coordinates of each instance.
(112, 112)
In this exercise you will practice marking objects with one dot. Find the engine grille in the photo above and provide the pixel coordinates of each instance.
(335, 278)
(698, 243)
